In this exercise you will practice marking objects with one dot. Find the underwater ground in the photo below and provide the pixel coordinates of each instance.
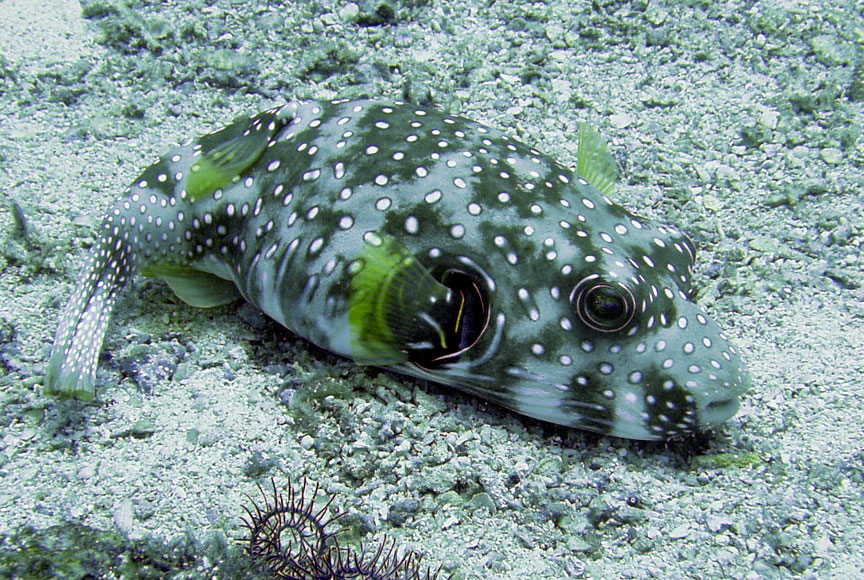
(738, 121)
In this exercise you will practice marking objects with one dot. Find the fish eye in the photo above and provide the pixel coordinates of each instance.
(603, 306)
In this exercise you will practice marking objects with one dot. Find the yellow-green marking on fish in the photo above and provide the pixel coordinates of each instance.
(429, 244)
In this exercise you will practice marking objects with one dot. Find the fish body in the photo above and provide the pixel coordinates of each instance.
(429, 244)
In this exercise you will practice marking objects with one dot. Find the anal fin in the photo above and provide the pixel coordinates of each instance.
(195, 287)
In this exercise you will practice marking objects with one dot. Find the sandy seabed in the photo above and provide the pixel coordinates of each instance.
(738, 122)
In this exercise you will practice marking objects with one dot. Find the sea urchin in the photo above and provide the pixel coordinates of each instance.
(290, 538)
(288, 535)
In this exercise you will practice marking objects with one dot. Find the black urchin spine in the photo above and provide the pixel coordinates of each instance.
(290, 539)
(286, 535)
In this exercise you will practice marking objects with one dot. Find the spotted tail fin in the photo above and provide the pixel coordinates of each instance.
(72, 367)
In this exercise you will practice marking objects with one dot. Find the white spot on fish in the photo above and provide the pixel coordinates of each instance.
(383, 204)
(433, 196)
(373, 239)
(412, 225)
(316, 246)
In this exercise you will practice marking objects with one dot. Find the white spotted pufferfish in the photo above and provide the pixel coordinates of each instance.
(431, 245)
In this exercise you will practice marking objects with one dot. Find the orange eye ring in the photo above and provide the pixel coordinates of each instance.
(603, 306)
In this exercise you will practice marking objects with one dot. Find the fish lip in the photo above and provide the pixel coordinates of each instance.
(717, 412)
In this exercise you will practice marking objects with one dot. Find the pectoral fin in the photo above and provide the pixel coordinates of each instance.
(396, 308)
(595, 164)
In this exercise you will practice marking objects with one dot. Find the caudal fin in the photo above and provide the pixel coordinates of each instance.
(71, 369)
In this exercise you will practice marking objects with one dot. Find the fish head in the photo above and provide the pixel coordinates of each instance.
(493, 268)
(656, 365)
(587, 318)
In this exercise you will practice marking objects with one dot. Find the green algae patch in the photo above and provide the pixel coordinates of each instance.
(75, 551)
(727, 460)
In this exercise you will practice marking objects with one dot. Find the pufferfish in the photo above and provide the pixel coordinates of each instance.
(411, 239)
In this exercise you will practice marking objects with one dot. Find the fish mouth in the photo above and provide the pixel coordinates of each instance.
(717, 412)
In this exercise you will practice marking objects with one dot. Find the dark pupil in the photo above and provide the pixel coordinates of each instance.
(606, 304)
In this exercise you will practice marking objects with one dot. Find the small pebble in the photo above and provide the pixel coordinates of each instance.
(621, 120)
(123, 516)
(831, 155)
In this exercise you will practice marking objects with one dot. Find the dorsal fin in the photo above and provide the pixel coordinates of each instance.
(229, 152)
(594, 163)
